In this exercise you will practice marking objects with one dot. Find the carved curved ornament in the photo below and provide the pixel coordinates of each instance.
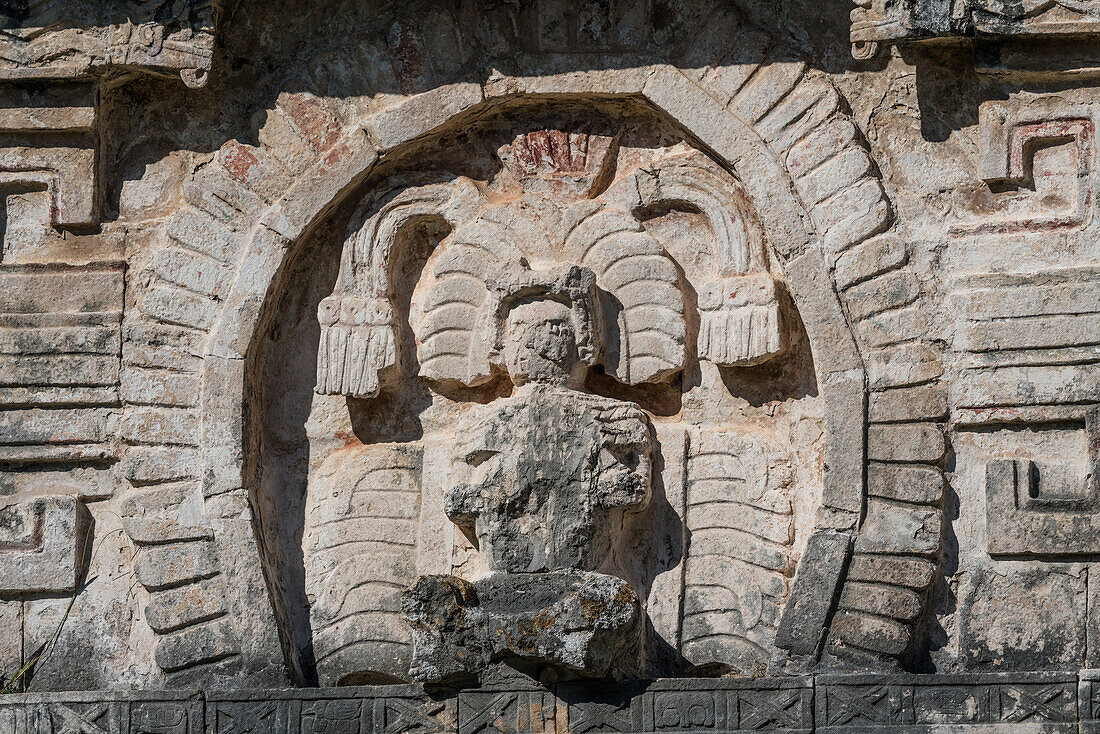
(491, 245)
(738, 301)
(357, 321)
(39, 40)
(456, 322)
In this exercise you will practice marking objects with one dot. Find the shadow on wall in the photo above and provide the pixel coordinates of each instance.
(368, 52)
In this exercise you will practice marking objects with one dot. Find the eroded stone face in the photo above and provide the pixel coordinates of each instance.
(549, 467)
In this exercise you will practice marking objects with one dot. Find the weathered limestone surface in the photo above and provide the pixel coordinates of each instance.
(546, 349)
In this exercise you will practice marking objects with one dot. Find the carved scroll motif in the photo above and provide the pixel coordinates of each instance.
(357, 321)
(360, 553)
(1038, 156)
(737, 298)
(741, 525)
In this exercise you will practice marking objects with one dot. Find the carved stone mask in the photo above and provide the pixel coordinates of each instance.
(540, 343)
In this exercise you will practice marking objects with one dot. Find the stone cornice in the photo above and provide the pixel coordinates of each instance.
(875, 22)
(1044, 702)
(76, 39)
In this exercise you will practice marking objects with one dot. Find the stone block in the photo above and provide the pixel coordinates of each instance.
(892, 528)
(422, 113)
(156, 464)
(906, 483)
(883, 601)
(166, 566)
(894, 327)
(915, 442)
(902, 365)
(866, 632)
(805, 618)
(996, 612)
(914, 573)
(834, 175)
(925, 402)
(44, 545)
(883, 293)
(160, 425)
(201, 643)
(11, 644)
(871, 259)
(186, 605)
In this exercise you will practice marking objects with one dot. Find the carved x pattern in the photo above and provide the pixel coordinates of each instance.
(608, 717)
(405, 716)
(778, 709)
(250, 719)
(861, 703)
(1028, 703)
(485, 716)
(85, 723)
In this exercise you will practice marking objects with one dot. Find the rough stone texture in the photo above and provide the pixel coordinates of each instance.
(575, 622)
(309, 308)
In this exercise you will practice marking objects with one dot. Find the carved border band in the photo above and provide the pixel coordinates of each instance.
(1044, 703)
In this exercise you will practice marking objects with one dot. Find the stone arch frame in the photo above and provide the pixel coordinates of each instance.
(815, 189)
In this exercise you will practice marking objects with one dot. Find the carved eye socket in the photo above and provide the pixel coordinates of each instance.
(479, 457)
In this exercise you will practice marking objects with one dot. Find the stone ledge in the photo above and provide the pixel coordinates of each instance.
(1043, 702)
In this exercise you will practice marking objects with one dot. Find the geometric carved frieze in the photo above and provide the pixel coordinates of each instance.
(60, 347)
(1037, 156)
(47, 143)
(1038, 508)
(1041, 702)
(133, 712)
(42, 545)
(985, 703)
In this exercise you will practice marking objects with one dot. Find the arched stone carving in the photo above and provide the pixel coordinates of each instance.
(737, 301)
(792, 133)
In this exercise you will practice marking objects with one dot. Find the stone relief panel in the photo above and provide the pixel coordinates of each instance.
(587, 320)
(1022, 389)
(737, 459)
(875, 21)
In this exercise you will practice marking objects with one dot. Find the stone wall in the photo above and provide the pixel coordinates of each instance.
(343, 341)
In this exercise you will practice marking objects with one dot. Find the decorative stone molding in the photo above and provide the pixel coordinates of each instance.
(875, 21)
(76, 39)
(60, 350)
(43, 548)
(1032, 194)
(1047, 511)
(1048, 703)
